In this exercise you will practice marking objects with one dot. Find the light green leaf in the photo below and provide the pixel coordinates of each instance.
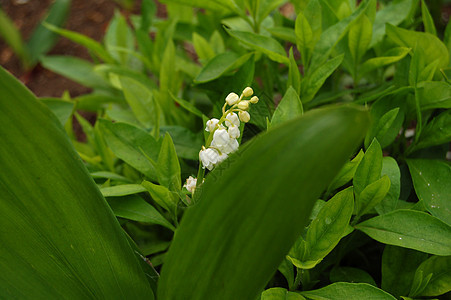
(283, 33)
(391, 169)
(428, 22)
(132, 145)
(13, 38)
(62, 109)
(135, 208)
(398, 269)
(434, 94)
(327, 229)
(109, 175)
(162, 196)
(390, 57)
(203, 49)
(60, 239)
(431, 179)
(280, 294)
(440, 269)
(349, 274)
(168, 165)
(348, 291)
(119, 36)
(267, 45)
(250, 222)
(436, 132)
(221, 64)
(369, 169)
(217, 42)
(289, 108)
(372, 195)
(382, 127)
(304, 37)
(410, 229)
(122, 190)
(346, 173)
(359, 37)
(294, 76)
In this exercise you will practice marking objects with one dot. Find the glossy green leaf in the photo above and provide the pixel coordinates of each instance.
(83, 40)
(440, 269)
(132, 145)
(251, 221)
(391, 169)
(433, 48)
(382, 127)
(311, 84)
(349, 274)
(162, 196)
(269, 46)
(76, 69)
(134, 208)
(392, 56)
(289, 108)
(221, 64)
(122, 190)
(62, 109)
(372, 195)
(431, 180)
(436, 132)
(348, 291)
(398, 269)
(142, 102)
(280, 294)
(203, 49)
(52, 248)
(294, 76)
(327, 229)
(346, 173)
(434, 94)
(168, 165)
(428, 22)
(359, 37)
(369, 169)
(42, 39)
(410, 229)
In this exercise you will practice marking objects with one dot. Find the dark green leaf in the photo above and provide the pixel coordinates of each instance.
(391, 169)
(289, 108)
(168, 165)
(346, 173)
(440, 269)
(187, 144)
(436, 132)
(352, 275)
(280, 294)
(294, 76)
(372, 195)
(221, 64)
(62, 109)
(369, 169)
(348, 291)
(428, 22)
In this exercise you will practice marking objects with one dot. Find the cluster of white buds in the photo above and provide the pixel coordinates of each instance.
(225, 131)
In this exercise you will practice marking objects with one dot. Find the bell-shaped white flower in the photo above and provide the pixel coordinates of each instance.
(220, 138)
(234, 131)
(222, 157)
(211, 124)
(232, 118)
(232, 99)
(190, 184)
(209, 158)
(227, 148)
(244, 116)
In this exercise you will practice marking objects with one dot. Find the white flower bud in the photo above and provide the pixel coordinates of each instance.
(190, 184)
(211, 124)
(254, 100)
(234, 132)
(209, 158)
(232, 99)
(244, 105)
(232, 118)
(248, 92)
(244, 116)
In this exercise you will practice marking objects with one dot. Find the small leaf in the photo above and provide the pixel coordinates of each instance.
(359, 37)
(122, 190)
(372, 195)
(304, 37)
(369, 169)
(431, 179)
(168, 165)
(436, 132)
(410, 229)
(352, 275)
(203, 49)
(62, 109)
(162, 196)
(294, 76)
(434, 94)
(428, 22)
(391, 169)
(348, 291)
(346, 173)
(440, 269)
(280, 294)
(382, 127)
(392, 56)
(289, 108)
(221, 64)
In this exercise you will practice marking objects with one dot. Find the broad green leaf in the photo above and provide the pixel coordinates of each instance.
(398, 269)
(390, 57)
(60, 239)
(168, 165)
(122, 190)
(348, 291)
(311, 84)
(390, 202)
(440, 282)
(162, 196)
(142, 102)
(269, 46)
(436, 132)
(359, 38)
(283, 33)
(42, 39)
(221, 64)
(327, 229)
(369, 169)
(13, 38)
(203, 49)
(250, 222)
(346, 173)
(372, 195)
(349, 274)
(294, 76)
(280, 294)
(434, 94)
(62, 109)
(132, 145)
(382, 127)
(394, 13)
(431, 179)
(134, 208)
(332, 35)
(83, 40)
(433, 48)
(410, 229)
(289, 108)
(428, 22)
